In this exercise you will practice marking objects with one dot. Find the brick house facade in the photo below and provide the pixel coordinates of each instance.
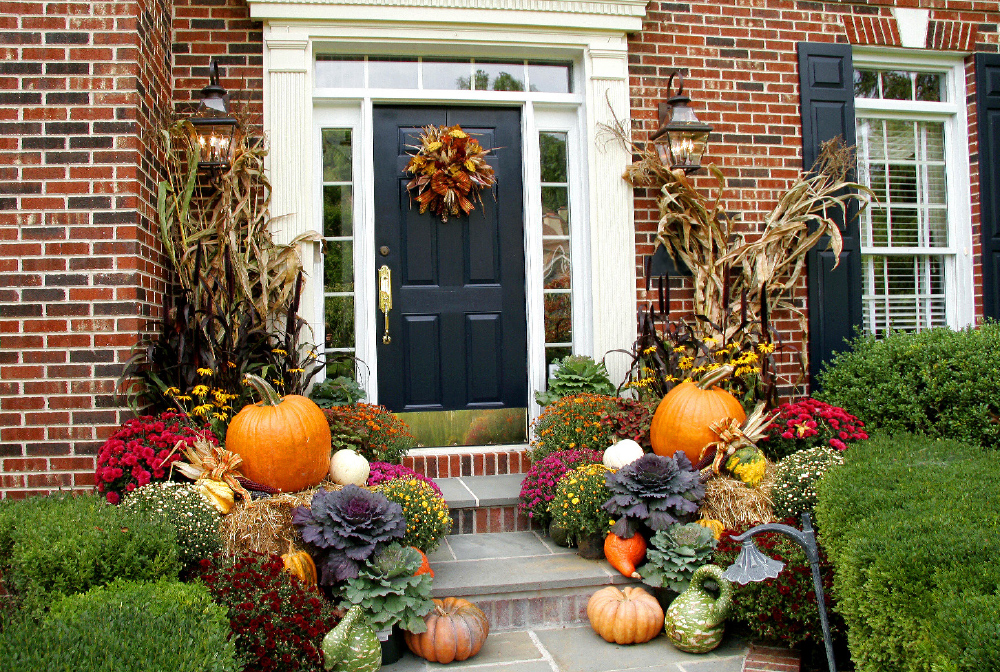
(84, 86)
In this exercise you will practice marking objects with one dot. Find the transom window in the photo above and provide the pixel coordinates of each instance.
(432, 73)
(913, 264)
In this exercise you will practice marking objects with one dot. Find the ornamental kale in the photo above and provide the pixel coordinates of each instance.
(390, 591)
(674, 554)
(350, 523)
(655, 491)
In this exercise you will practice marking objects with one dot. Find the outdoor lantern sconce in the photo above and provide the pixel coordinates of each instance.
(680, 142)
(752, 565)
(214, 125)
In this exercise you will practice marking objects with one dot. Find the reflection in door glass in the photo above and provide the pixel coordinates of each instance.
(338, 240)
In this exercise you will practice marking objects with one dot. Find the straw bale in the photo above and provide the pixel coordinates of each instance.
(735, 504)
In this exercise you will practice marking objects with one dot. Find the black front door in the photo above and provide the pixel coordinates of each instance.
(457, 328)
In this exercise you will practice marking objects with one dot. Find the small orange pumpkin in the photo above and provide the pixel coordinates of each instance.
(625, 554)
(629, 616)
(284, 442)
(684, 417)
(300, 564)
(425, 565)
(456, 630)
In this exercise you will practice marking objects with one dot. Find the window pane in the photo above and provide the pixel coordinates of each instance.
(556, 264)
(902, 183)
(905, 293)
(392, 73)
(905, 231)
(932, 140)
(555, 211)
(338, 216)
(448, 75)
(937, 227)
(338, 266)
(876, 227)
(929, 87)
(900, 140)
(550, 78)
(552, 354)
(553, 156)
(499, 76)
(897, 86)
(865, 84)
(339, 322)
(337, 155)
(340, 72)
(558, 318)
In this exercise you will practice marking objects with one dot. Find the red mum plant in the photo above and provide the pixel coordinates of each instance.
(539, 485)
(809, 423)
(141, 452)
(278, 622)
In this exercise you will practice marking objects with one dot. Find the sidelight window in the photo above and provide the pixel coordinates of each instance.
(338, 240)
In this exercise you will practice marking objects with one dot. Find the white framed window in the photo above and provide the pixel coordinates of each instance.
(912, 152)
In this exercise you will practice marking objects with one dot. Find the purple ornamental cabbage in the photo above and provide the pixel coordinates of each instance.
(655, 491)
(350, 524)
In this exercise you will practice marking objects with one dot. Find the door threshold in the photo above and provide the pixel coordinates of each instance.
(466, 450)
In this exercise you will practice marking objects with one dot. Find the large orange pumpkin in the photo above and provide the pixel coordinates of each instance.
(629, 616)
(284, 442)
(456, 630)
(682, 420)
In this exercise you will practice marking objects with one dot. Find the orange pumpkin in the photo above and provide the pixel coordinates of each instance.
(425, 565)
(682, 420)
(284, 442)
(625, 554)
(629, 616)
(300, 564)
(456, 630)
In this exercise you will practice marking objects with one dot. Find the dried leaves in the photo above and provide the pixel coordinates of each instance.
(449, 170)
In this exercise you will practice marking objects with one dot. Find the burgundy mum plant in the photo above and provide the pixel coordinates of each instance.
(539, 484)
(140, 452)
(809, 423)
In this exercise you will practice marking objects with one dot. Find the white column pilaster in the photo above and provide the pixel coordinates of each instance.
(612, 230)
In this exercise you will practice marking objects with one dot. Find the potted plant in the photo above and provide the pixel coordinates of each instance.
(392, 595)
(577, 508)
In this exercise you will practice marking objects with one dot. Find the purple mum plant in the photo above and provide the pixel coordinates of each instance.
(539, 485)
(382, 472)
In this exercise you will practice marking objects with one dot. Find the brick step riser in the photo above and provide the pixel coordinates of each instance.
(490, 519)
(469, 464)
(538, 610)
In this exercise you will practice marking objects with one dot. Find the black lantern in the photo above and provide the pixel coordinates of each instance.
(214, 126)
(681, 141)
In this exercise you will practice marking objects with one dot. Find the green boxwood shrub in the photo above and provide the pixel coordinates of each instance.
(124, 627)
(912, 529)
(938, 382)
(64, 544)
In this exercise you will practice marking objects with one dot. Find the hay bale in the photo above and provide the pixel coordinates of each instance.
(265, 525)
(735, 504)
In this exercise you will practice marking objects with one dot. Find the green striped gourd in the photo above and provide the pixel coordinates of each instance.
(352, 646)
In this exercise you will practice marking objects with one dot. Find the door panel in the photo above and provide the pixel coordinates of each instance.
(457, 326)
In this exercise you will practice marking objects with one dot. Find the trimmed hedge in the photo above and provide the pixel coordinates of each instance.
(64, 544)
(124, 627)
(938, 382)
(912, 528)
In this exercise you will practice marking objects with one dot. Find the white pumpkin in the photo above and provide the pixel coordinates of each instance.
(347, 467)
(624, 452)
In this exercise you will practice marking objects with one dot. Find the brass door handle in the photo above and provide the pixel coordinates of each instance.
(385, 298)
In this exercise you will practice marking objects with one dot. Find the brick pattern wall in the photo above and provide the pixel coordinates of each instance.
(741, 72)
(219, 30)
(77, 81)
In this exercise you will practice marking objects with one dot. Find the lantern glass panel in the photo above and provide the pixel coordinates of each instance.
(687, 146)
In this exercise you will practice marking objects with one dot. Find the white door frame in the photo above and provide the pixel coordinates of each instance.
(592, 34)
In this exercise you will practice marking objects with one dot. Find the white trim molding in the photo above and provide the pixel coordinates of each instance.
(591, 34)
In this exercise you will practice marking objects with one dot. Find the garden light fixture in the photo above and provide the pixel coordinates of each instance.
(752, 565)
(680, 142)
(214, 125)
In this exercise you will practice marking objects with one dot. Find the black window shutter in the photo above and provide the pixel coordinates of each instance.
(826, 81)
(988, 114)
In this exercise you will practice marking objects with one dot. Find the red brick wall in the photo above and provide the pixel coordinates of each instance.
(219, 30)
(741, 68)
(79, 84)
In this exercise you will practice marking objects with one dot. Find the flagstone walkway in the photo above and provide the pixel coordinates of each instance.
(579, 649)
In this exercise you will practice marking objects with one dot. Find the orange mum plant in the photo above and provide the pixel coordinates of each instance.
(449, 169)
